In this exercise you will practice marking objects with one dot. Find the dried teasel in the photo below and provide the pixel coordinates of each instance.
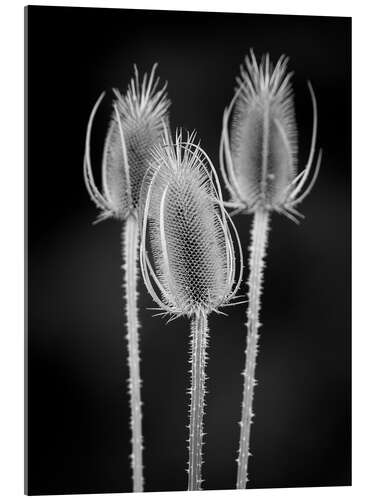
(258, 159)
(135, 128)
(188, 257)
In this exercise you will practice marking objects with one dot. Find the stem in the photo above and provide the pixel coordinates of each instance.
(256, 264)
(130, 255)
(199, 336)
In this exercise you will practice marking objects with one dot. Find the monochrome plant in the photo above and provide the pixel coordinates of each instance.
(166, 192)
(188, 258)
(258, 159)
(136, 126)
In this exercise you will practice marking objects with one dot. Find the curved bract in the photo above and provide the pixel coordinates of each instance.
(258, 149)
(193, 264)
(136, 126)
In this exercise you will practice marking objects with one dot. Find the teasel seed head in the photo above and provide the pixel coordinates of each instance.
(136, 126)
(258, 156)
(193, 266)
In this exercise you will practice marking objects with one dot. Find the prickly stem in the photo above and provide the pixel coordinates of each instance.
(199, 337)
(130, 255)
(257, 253)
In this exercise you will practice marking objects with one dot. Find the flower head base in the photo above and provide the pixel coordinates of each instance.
(186, 227)
(136, 127)
(259, 159)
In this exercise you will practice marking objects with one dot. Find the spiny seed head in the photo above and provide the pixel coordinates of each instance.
(136, 126)
(259, 156)
(192, 264)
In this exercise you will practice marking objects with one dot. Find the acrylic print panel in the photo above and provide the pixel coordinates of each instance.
(78, 408)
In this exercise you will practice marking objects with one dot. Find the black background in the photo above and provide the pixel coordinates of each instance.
(78, 419)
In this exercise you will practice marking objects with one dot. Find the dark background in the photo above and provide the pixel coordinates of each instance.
(78, 418)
